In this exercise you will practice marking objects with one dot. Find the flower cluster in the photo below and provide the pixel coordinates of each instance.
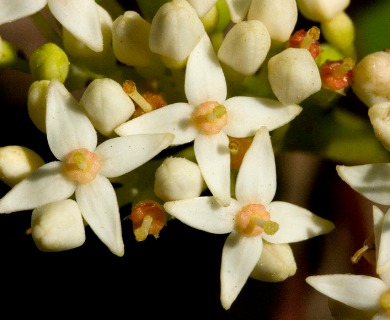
(179, 109)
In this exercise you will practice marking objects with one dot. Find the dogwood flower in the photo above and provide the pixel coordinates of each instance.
(80, 18)
(209, 118)
(83, 167)
(366, 293)
(250, 219)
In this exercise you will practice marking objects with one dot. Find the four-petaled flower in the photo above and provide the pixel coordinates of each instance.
(83, 167)
(249, 219)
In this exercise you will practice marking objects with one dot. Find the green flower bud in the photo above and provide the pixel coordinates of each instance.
(8, 54)
(177, 179)
(276, 263)
(293, 75)
(58, 226)
(279, 16)
(106, 105)
(340, 32)
(36, 103)
(16, 163)
(319, 10)
(245, 47)
(210, 20)
(328, 52)
(371, 78)
(49, 62)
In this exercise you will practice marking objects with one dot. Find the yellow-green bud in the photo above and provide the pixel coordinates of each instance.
(328, 52)
(8, 54)
(36, 103)
(210, 20)
(58, 226)
(49, 62)
(320, 10)
(16, 163)
(106, 105)
(276, 263)
(202, 7)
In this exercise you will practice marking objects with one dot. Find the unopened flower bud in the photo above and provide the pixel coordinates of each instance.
(16, 163)
(58, 226)
(245, 47)
(293, 75)
(130, 39)
(49, 62)
(276, 263)
(177, 179)
(8, 54)
(319, 10)
(36, 103)
(340, 32)
(279, 16)
(371, 78)
(176, 29)
(106, 105)
(202, 7)
(379, 115)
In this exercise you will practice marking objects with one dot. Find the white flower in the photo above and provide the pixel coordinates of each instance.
(249, 219)
(364, 292)
(82, 168)
(80, 18)
(208, 118)
(318, 10)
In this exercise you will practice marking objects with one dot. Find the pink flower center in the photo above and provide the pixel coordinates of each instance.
(210, 117)
(82, 165)
(253, 219)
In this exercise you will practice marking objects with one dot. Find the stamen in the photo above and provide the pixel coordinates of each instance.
(130, 88)
(143, 231)
(210, 117)
(238, 147)
(307, 40)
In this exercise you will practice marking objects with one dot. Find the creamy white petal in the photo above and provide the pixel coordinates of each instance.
(213, 157)
(295, 223)
(174, 118)
(383, 254)
(80, 18)
(238, 9)
(248, 114)
(123, 154)
(99, 207)
(370, 180)
(202, 6)
(67, 127)
(204, 213)
(377, 218)
(204, 78)
(256, 180)
(382, 315)
(239, 256)
(47, 184)
(16, 9)
(357, 291)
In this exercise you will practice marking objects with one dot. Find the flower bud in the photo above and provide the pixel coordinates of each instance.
(58, 226)
(16, 163)
(177, 179)
(279, 16)
(245, 47)
(293, 75)
(371, 78)
(379, 115)
(202, 7)
(319, 10)
(8, 54)
(340, 32)
(49, 62)
(130, 39)
(106, 105)
(36, 103)
(276, 263)
(176, 29)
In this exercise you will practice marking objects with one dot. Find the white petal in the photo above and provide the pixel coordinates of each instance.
(357, 291)
(80, 18)
(383, 253)
(382, 315)
(213, 157)
(174, 118)
(256, 112)
(370, 180)
(202, 6)
(204, 213)
(295, 223)
(17, 9)
(99, 207)
(204, 79)
(238, 9)
(239, 257)
(123, 154)
(256, 180)
(67, 127)
(46, 184)
(377, 218)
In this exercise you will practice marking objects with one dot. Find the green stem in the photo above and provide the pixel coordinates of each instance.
(46, 29)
